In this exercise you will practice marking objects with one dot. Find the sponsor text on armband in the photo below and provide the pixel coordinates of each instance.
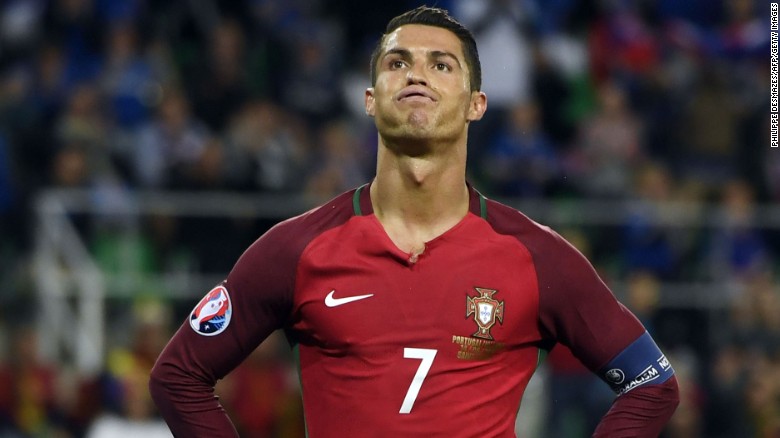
(639, 364)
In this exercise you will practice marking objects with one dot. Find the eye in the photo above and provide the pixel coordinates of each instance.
(441, 66)
(396, 64)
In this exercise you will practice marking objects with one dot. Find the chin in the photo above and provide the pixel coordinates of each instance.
(418, 119)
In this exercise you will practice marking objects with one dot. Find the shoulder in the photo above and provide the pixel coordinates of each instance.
(561, 269)
(271, 262)
(539, 239)
(301, 229)
(286, 240)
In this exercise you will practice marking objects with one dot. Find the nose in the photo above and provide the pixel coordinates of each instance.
(416, 74)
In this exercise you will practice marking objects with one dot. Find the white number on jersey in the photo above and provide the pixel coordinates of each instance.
(427, 356)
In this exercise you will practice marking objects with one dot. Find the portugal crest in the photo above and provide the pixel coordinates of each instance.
(486, 311)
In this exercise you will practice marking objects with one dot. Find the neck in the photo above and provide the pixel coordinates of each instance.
(417, 198)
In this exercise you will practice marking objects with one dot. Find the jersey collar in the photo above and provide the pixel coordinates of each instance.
(361, 201)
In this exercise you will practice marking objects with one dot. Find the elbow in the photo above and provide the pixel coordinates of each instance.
(665, 397)
(159, 381)
(674, 393)
(167, 387)
(166, 383)
(170, 382)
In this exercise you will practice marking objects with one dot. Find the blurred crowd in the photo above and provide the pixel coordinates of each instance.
(657, 103)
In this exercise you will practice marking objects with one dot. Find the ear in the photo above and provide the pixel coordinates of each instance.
(369, 101)
(477, 107)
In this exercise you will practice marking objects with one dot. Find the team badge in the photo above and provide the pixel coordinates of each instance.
(212, 314)
(486, 311)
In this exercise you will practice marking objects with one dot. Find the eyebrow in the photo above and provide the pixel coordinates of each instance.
(405, 54)
(436, 54)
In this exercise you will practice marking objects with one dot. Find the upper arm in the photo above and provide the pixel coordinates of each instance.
(577, 309)
(259, 296)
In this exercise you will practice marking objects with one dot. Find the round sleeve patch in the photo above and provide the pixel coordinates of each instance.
(212, 314)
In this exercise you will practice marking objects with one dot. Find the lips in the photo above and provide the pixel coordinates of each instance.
(416, 92)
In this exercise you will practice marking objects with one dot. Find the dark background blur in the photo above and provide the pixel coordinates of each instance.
(145, 143)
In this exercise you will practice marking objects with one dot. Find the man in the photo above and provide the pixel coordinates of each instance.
(416, 306)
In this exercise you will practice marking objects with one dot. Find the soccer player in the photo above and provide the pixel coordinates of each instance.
(415, 306)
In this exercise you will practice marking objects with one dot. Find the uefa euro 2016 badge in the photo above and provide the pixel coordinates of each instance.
(212, 314)
(486, 311)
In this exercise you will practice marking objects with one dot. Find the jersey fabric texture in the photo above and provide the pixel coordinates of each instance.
(388, 344)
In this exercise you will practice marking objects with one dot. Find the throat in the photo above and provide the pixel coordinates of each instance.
(407, 242)
(415, 253)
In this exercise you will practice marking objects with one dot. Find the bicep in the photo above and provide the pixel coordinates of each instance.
(231, 320)
(577, 309)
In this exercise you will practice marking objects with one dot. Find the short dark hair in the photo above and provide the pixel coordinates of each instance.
(435, 17)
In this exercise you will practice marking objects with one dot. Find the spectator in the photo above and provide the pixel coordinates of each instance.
(7, 193)
(609, 145)
(342, 163)
(70, 168)
(128, 409)
(136, 418)
(28, 389)
(128, 80)
(77, 27)
(209, 171)
(709, 148)
(762, 394)
(315, 67)
(169, 144)
(553, 83)
(219, 83)
(727, 413)
(83, 123)
(736, 249)
(501, 29)
(267, 148)
(643, 297)
(521, 160)
(646, 239)
(622, 44)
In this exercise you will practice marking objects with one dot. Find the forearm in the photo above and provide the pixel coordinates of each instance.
(641, 412)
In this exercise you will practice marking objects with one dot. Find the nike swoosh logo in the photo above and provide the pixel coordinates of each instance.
(334, 302)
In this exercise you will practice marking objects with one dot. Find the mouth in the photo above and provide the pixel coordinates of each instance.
(416, 93)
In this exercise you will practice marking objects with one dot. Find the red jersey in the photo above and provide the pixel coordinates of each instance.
(442, 344)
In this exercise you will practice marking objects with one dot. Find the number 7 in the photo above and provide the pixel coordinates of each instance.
(427, 356)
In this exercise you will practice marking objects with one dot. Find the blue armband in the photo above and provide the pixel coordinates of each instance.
(640, 363)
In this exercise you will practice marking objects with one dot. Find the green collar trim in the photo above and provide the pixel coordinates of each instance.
(482, 204)
(356, 200)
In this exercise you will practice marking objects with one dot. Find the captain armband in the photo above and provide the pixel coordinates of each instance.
(639, 364)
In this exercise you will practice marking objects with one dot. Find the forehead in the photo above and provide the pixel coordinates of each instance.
(420, 37)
